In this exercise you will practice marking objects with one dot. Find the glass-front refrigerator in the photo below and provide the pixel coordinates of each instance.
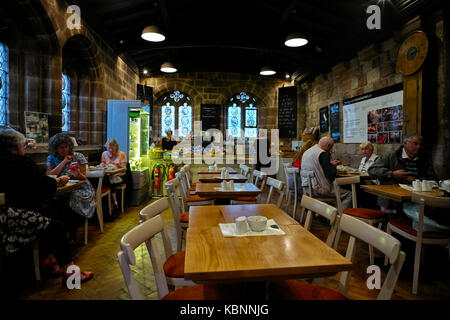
(129, 123)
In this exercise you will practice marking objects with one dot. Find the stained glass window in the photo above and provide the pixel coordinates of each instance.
(246, 120)
(65, 102)
(176, 114)
(4, 83)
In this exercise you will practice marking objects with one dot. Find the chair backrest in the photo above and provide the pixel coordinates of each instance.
(275, 185)
(427, 200)
(259, 181)
(323, 209)
(307, 176)
(187, 170)
(173, 189)
(97, 174)
(291, 171)
(153, 209)
(337, 191)
(285, 166)
(145, 233)
(379, 239)
(183, 189)
(246, 171)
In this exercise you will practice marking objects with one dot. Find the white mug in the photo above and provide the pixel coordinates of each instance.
(427, 185)
(211, 168)
(417, 185)
(241, 225)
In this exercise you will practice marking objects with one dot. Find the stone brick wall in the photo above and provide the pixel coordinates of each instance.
(217, 88)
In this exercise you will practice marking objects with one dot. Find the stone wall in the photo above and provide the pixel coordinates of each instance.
(218, 88)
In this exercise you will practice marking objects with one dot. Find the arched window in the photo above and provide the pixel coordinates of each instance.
(176, 113)
(242, 113)
(65, 102)
(4, 84)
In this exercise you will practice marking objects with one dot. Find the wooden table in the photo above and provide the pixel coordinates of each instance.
(68, 187)
(211, 216)
(216, 178)
(207, 190)
(362, 175)
(205, 170)
(115, 171)
(396, 193)
(212, 258)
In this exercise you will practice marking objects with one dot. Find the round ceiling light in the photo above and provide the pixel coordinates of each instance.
(153, 34)
(267, 71)
(295, 40)
(168, 67)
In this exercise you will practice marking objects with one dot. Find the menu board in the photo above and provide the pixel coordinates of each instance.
(36, 127)
(210, 115)
(376, 116)
(144, 93)
(334, 122)
(287, 112)
(324, 119)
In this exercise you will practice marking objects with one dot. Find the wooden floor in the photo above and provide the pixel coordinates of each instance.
(100, 256)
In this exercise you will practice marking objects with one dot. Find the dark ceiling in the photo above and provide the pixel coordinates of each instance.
(243, 36)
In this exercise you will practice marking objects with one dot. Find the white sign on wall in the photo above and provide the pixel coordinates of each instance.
(376, 116)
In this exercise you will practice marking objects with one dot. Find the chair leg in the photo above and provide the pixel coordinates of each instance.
(288, 200)
(86, 224)
(123, 197)
(336, 240)
(37, 270)
(109, 204)
(416, 267)
(294, 213)
(371, 259)
(100, 215)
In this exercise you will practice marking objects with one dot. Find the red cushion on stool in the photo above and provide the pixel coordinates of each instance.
(299, 290)
(196, 198)
(184, 217)
(174, 265)
(192, 188)
(104, 189)
(405, 225)
(244, 199)
(365, 213)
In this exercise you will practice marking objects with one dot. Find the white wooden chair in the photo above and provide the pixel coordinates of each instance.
(357, 229)
(246, 171)
(180, 218)
(122, 188)
(260, 179)
(145, 233)
(370, 216)
(275, 186)
(100, 192)
(174, 264)
(291, 172)
(403, 226)
(309, 190)
(190, 185)
(190, 200)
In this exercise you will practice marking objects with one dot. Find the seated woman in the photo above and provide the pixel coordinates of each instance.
(369, 157)
(63, 161)
(113, 156)
(21, 220)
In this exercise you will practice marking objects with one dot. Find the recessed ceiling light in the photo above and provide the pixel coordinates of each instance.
(168, 67)
(153, 34)
(145, 71)
(295, 40)
(267, 71)
(287, 76)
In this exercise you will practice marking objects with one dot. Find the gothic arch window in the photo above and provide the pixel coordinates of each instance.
(4, 84)
(242, 114)
(176, 114)
(65, 102)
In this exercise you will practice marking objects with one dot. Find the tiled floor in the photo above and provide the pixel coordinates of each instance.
(100, 256)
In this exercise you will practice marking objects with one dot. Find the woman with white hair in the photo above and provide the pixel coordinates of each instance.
(26, 187)
(369, 157)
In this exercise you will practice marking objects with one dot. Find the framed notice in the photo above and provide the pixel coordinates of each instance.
(324, 119)
(287, 112)
(36, 127)
(334, 122)
(210, 115)
(376, 116)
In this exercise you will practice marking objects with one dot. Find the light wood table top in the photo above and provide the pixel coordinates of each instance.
(362, 175)
(215, 178)
(109, 172)
(68, 187)
(211, 216)
(210, 257)
(240, 190)
(396, 193)
(205, 170)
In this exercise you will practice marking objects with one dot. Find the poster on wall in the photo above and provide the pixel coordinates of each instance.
(36, 127)
(324, 119)
(335, 129)
(287, 112)
(376, 116)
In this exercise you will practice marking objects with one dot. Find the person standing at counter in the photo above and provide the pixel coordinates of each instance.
(113, 156)
(168, 142)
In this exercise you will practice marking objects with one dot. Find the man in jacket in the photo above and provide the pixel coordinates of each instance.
(402, 166)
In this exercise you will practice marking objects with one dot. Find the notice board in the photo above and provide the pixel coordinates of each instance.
(210, 115)
(323, 116)
(335, 129)
(287, 112)
(376, 116)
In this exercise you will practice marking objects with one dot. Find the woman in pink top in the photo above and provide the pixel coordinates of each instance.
(114, 156)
